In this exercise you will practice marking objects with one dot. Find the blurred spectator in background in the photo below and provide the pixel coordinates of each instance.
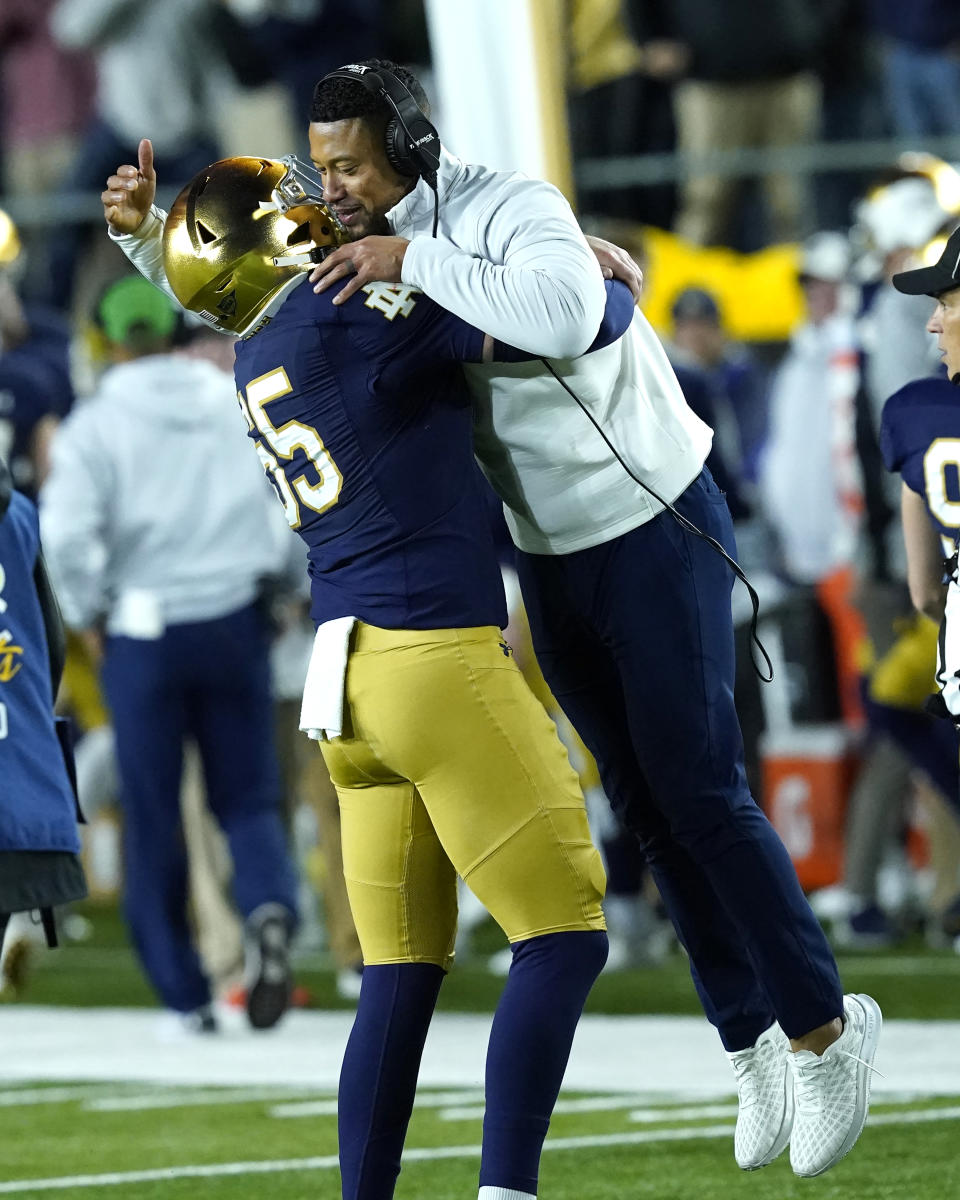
(611, 73)
(159, 527)
(159, 65)
(39, 867)
(311, 810)
(810, 482)
(921, 63)
(295, 43)
(45, 99)
(892, 224)
(852, 107)
(724, 381)
(35, 387)
(748, 81)
(810, 477)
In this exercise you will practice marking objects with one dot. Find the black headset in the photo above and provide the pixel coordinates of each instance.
(412, 142)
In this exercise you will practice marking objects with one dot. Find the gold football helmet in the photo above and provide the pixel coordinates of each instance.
(240, 233)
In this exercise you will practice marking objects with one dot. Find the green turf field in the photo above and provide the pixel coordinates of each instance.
(267, 1148)
(124, 1140)
(913, 982)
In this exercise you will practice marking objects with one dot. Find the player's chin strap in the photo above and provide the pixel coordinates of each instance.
(686, 524)
(306, 258)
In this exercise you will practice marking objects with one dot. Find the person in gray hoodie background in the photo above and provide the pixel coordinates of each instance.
(160, 529)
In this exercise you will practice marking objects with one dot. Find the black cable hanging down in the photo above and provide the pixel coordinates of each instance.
(689, 526)
(432, 183)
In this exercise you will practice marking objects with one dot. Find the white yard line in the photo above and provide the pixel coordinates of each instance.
(694, 1112)
(178, 1098)
(426, 1154)
(918, 1116)
(651, 1060)
(18, 1097)
(586, 1104)
(328, 1108)
(866, 964)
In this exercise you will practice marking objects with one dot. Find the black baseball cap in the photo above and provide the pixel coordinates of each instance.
(943, 276)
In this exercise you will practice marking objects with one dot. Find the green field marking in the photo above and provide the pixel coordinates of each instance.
(912, 982)
(181, 1097)
(328, 1108)
(106, 1135)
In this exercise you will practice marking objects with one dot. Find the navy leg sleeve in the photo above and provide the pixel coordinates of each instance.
(530, 1041)
(378, 1078)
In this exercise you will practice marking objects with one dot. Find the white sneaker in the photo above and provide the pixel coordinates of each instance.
(766, 1100)
(174, 1026)
(832, 1090)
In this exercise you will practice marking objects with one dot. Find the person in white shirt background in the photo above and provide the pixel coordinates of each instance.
(159, 571)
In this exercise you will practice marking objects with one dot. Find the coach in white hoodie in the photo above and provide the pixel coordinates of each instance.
(158, 528)
(630, 611)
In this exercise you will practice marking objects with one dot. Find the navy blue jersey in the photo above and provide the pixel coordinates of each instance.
(362, 420)
(32, 386)
(920, 439)
(37, 808)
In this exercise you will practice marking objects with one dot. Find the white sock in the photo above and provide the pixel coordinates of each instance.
(493, 1193)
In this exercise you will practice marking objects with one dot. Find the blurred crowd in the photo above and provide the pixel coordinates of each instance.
(860, 782)
(700, 76)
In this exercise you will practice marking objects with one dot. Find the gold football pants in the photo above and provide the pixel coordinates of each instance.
(448, 766)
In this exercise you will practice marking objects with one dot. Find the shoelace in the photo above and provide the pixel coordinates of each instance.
(746, 1081)
(811, 1081)
(747, 1067)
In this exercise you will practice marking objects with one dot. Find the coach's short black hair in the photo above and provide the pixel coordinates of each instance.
(343, 99)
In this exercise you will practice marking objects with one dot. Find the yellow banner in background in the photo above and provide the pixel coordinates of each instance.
(759, 297)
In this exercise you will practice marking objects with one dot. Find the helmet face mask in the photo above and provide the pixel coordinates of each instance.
(240, 233)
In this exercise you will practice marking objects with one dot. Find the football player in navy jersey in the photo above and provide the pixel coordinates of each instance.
(39, 864)
(35, 387)
(920, 438)
(444, 762)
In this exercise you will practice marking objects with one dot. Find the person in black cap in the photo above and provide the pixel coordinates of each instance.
(920, 429)
(942, 283)
(722, 384)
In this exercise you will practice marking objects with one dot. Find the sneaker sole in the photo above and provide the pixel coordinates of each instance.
(782, 1139)
(868, 1050)
(268, 996)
